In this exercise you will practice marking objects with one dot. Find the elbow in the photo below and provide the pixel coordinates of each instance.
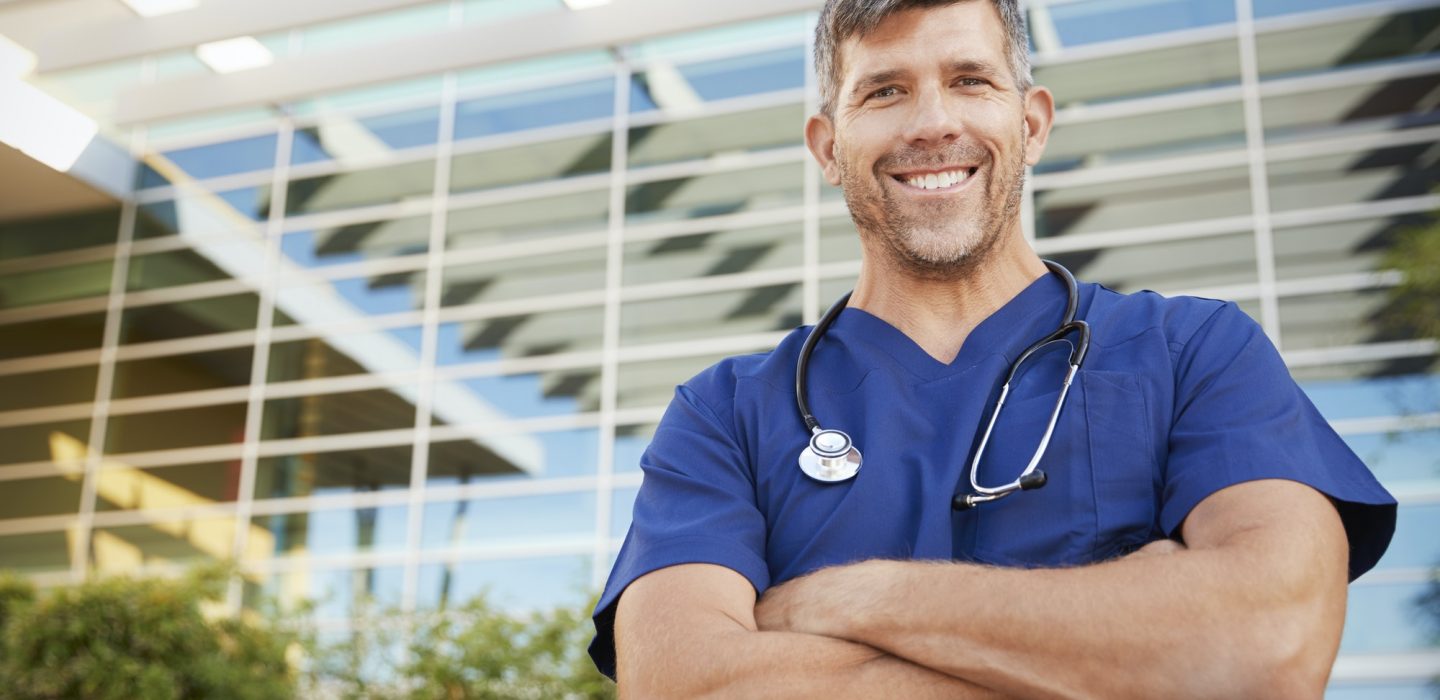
(1291, 661)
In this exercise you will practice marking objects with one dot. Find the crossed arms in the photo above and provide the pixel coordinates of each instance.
(1252, 606)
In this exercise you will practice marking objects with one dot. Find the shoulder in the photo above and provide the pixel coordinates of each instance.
(1115, 317)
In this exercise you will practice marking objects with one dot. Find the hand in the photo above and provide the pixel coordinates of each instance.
(823, 602)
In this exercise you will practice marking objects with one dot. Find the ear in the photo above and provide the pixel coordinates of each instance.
(1039, 117)
(820, 138)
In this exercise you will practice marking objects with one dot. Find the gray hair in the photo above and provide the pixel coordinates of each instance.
(842, 19)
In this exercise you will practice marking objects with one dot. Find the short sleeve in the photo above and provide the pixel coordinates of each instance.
(1239, 416)
(695, 505)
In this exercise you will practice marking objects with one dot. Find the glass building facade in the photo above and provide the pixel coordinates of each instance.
(406, 341)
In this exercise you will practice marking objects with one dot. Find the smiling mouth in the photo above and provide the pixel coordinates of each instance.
(942, 180)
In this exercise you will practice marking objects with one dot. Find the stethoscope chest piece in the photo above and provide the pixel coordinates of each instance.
(831, 456)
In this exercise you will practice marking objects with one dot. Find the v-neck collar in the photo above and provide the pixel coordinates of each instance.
(1005, 332)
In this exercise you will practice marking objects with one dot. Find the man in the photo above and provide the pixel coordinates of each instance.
(1191, 540)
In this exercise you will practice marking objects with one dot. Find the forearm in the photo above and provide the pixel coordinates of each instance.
(748, 664)
(1253, 608)
(1179, 626)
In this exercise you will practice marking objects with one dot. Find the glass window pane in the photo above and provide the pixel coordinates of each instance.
(184, 427)
(1382, 37)
(1338, 318)
(630, 443)
(519, 111)
(126, 548)
(1384, 617)
(347, 243)
(327, 473)
(536, 162)
(212, 369)
(712, 253)
(178, 267)
(36, 553)
(1153, 201)
(720, 314)
(1095, 21)
(313, 302)
(52, 234)
(193, 317)
(387, 184)
(350, 139)
(1395, 104)
(498, 455)
(1414, 545)
(204, 213)
(1171, 266)
(31, 498)
(1373, 389)
(51, 335)
(224, 158)
(513, 520)
(333, 414)
(370, 97)
(48, 388)
(652, 384)
(341, 354)
(702, 137)
(32, 287)
(539, 583)
(519, 278)
(335, 593)
(1338, 248)
(719, 193)
(528, 219)
(666, 86)
(622, 510)
(521, 335)
(1138, 74)
(1400, 456)
(60, 441)
(550, 393)
(327, 532)
(1351, 178)
(1144, 137)
(122, 487)
(1399, 690)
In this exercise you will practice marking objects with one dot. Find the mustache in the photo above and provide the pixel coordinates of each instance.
(912, 158)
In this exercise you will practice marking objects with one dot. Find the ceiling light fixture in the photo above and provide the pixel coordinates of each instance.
(234, 55)
(155, 8)
(583, 4)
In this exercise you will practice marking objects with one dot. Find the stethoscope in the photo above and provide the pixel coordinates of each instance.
(832, 456)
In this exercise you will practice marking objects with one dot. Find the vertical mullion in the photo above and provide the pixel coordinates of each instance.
(1259, 176)
(610, 338)
(260, 361)
(429, 339)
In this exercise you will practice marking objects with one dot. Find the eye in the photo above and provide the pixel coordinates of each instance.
(973, 82)
(887, 91)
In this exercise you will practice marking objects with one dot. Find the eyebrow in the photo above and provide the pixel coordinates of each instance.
(877, 79)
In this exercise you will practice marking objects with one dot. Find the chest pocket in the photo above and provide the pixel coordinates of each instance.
(1099, 499)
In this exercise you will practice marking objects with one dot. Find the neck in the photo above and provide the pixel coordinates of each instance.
(939, 314)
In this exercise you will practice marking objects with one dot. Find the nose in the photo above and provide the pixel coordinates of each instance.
(933, 118)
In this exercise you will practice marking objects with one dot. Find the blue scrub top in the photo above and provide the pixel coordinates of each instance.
(1179, 398)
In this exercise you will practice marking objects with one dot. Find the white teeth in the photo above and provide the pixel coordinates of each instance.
(935, 181)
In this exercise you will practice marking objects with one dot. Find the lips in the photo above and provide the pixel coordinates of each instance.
(936, 179)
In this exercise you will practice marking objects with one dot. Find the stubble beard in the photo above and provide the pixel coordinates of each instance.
(934, 240)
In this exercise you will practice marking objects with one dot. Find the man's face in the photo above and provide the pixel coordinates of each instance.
(930, 136)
